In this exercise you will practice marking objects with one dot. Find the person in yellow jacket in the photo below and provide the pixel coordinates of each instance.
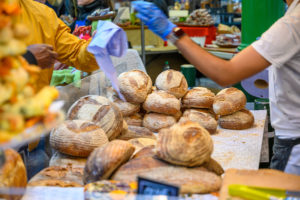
(47, 28)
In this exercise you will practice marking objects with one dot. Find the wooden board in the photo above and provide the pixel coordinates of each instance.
(240, 149)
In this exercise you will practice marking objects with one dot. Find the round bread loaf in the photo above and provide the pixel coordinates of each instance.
(134, 120)
(99, 110)
(173, 82)
(198, 97)
(106, 159)
(126, 108)
(77, 138)
(12, 173)
(155, 121)
(185, 143)
(135, 85)
(162, 102)
(239, 120)
(203, 117)
(228, 101)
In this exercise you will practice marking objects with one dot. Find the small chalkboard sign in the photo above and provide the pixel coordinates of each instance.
(149, 188)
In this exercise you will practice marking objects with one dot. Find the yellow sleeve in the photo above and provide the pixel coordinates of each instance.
(72, 50)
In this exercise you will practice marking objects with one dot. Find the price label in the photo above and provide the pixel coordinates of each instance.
(148, 188)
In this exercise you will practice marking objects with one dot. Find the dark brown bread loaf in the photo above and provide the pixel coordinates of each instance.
(106, 159)
(239, 120)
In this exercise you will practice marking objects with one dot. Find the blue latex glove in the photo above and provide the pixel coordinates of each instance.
(154, 18)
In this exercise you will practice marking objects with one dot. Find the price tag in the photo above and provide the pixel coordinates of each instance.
(151, 188)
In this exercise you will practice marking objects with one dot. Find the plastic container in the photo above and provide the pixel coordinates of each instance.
(208, 31)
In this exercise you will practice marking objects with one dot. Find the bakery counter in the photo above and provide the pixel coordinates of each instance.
(240, 149)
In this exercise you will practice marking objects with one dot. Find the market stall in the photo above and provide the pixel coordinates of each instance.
(119, 133)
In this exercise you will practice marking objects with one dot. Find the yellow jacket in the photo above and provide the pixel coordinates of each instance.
(47, 28)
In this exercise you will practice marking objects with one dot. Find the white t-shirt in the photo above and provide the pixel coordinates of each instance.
(280, 45)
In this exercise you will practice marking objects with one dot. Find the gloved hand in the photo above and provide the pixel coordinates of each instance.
(154, 18)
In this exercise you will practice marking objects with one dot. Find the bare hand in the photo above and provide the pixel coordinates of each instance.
(44, 55)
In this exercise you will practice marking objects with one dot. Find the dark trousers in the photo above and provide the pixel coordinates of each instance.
(282, 149)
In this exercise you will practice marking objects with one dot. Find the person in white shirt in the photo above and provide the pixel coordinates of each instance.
(278, 49)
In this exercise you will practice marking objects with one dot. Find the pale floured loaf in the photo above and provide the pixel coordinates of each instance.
(185, 143)
(198, 97)
(155, 121)
(134, 120)
(77, 137)
(203, 117)
(173, 82)
(135, 85)
(99, 110)
(228, 101)
(162, 102)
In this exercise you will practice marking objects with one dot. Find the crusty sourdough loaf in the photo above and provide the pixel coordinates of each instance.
(185, 143)
(228, 101)
(126, 108)
(203, 117)
(134, 120)
(239, 120)
(106, 159)
(173, 82)
(99, 110)
(58, 176)
(135, 85)
(198, 97)
(190, 180)
(155, 121)
(77, 137)
(162, 102)
(136, 132)
(12, 173)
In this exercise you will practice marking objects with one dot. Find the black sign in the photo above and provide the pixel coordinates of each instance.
(148, 188)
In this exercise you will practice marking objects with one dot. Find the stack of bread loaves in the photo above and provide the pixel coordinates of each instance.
(198, 104)
(230, 105)
(163, 105)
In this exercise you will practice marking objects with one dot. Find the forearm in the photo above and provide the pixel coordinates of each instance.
(243, 65)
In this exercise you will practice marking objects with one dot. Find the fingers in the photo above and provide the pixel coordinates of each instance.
(54, 55)
(143, 18)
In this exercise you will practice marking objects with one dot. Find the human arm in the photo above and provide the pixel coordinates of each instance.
(245, 64)
(72, 51)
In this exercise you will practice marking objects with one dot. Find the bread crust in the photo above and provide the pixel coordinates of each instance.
(173, 82)
(135, 85)
(106, 159)
(198, 97)
(203, 117)
(155, 121)
(99, 110)
(162, 102)
(239, 120)
(77, 137)
(228, 101)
